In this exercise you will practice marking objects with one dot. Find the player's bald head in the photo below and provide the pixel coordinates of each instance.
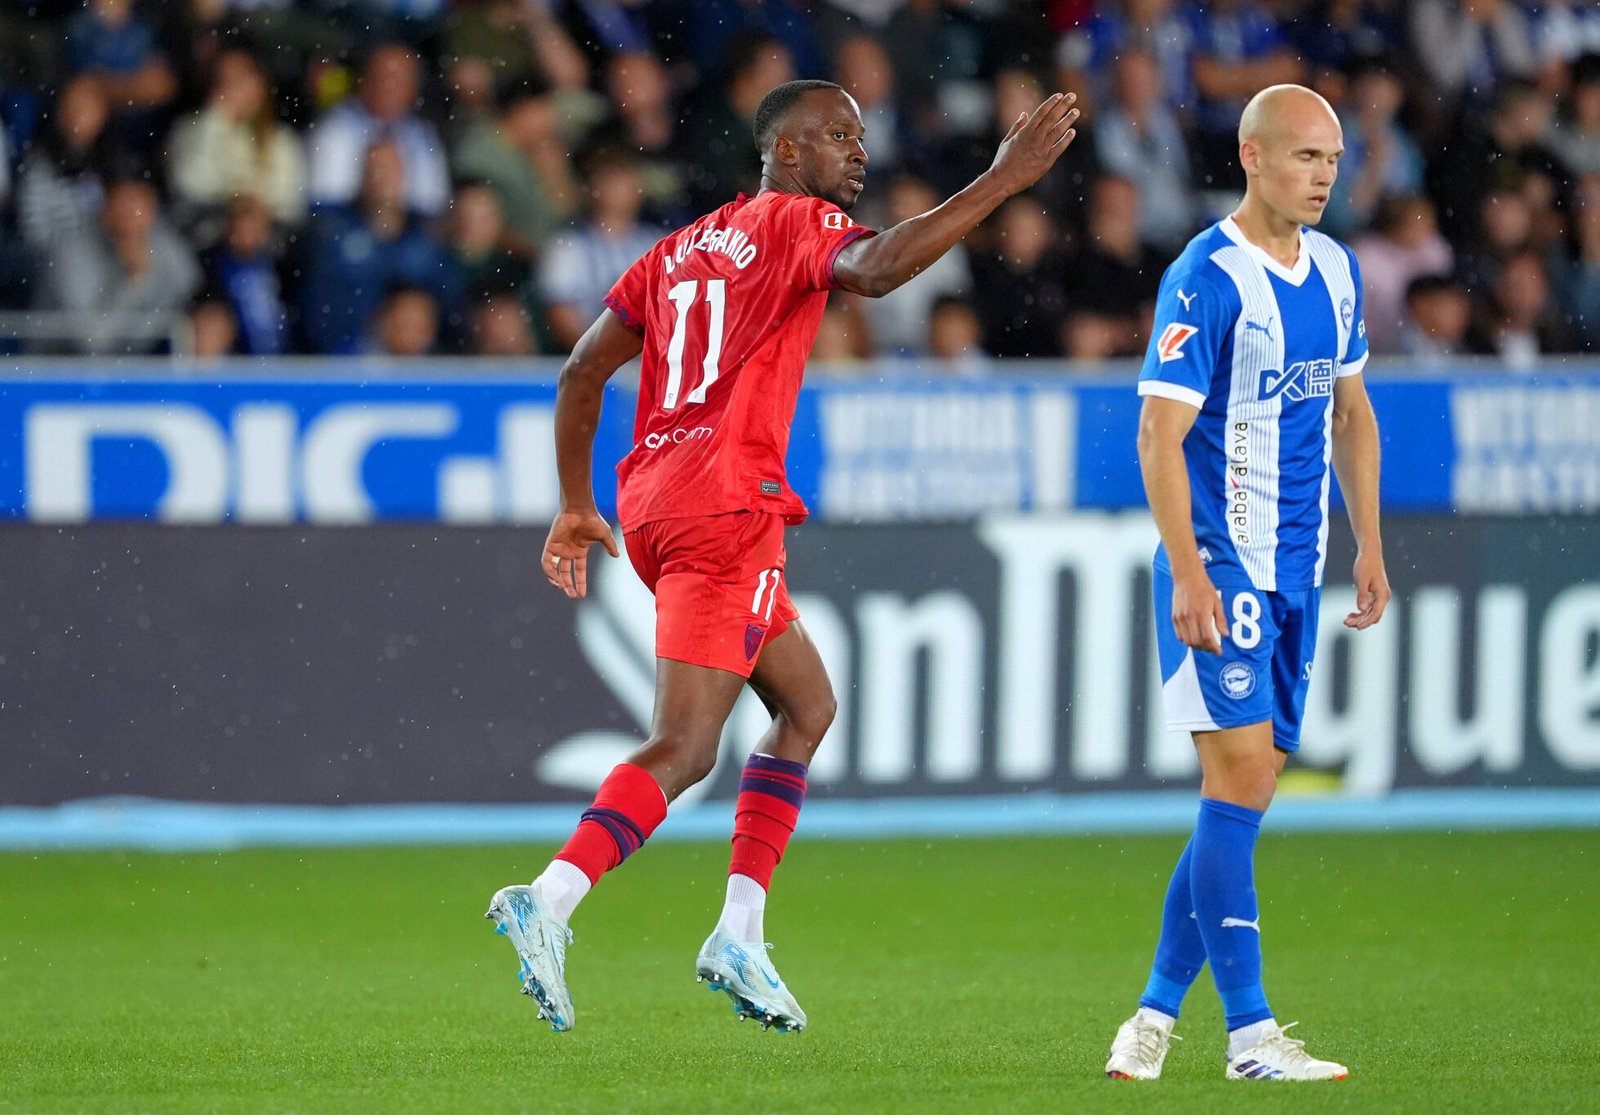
(776, 107)
(1280, 110)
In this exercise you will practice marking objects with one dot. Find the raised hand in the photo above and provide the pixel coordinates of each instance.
(1035, 142)
(566, 550)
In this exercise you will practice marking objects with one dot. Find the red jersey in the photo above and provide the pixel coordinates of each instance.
(728, 307)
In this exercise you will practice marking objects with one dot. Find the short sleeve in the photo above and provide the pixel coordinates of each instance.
(816, 231)
(1192, 322)
(1355, 349)
(630, 295)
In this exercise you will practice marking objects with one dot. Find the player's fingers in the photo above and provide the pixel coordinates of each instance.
(610, 544)
(1060, 142)
(580, 578)
(1017, 125)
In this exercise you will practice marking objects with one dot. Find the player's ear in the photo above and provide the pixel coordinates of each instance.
(785, 152)
(1250, 156)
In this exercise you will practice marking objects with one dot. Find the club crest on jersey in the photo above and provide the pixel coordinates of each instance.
(753, 637)
(836, 220)
(1309, 379)
(1170, 344)
(1238, 680)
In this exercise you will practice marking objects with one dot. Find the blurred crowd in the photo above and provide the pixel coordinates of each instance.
(425, 177)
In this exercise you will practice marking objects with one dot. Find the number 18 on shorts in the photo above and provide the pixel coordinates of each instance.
(1262, 672)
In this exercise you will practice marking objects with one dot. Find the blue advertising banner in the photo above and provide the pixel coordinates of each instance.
(310, 444)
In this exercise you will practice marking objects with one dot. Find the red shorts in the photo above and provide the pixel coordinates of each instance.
(719, 586)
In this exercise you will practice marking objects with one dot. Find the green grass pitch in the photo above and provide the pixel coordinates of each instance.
(1452, 972)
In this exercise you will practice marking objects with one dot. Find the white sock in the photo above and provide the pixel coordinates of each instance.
(561, 888)
(1245, 1036)
(742, 911)
(1156, 1018)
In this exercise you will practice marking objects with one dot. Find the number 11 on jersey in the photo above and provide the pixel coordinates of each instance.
(683, 297)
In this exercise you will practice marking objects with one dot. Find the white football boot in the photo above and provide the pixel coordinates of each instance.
(741, 970)
(1139, 1049)
(541, 941)
(1280, 1057)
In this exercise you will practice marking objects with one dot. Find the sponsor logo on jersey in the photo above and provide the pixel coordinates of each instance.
(1170, 345)
(1237, 495)
(1308, 379)
(770, 487)
(836, 220)
(1238, 681)
(676, 437)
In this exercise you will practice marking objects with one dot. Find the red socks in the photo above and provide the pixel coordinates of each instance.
(626, 810)
(770, 795)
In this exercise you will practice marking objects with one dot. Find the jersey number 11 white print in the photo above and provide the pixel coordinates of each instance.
(683, 297)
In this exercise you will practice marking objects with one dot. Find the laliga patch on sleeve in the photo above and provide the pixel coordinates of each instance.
(836, 221)
(1170, 345)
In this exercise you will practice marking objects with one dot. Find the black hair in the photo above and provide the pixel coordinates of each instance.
(1424, 285)
(775, 106)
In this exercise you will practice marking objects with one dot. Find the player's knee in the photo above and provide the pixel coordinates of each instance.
(677, 762)
(813, 719)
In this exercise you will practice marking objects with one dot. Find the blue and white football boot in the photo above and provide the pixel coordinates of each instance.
(1279, 1057)
(541, 940)
(741, 970)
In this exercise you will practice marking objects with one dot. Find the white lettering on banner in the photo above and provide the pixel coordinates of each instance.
(1103, 553)
(1526, 448)
(268, 472)
(1443, 741)
(911, 455)
(944, 629)
(1354, 724)
(518, 485)
(1569, 674)
(336, 448)
(918, 667)
(259, 467)
(58, 445)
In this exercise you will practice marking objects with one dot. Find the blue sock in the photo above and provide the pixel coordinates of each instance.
(1222, 881)
(1180, 954)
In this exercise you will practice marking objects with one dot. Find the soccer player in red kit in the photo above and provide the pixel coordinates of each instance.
(724, 312)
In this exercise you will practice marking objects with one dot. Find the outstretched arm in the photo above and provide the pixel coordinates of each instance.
(1197, 612)
(1355, 462)
(607, 346)
(875, 265)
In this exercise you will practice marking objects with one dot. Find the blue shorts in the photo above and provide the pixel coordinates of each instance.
(1262, 672)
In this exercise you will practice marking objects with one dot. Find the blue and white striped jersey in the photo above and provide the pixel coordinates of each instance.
(1256, 346)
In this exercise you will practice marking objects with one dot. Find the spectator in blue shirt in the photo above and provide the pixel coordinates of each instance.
(243, 270)
(1239, 49)
(356, 253)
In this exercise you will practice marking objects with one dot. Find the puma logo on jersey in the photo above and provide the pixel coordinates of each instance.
(1186, 299)
(1170, 345)
(1257, 327)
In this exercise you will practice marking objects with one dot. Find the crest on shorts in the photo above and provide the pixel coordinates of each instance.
(1238, 680)
(753, 636)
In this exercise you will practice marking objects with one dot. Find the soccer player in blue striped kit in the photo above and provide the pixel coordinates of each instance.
(1251, 388)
